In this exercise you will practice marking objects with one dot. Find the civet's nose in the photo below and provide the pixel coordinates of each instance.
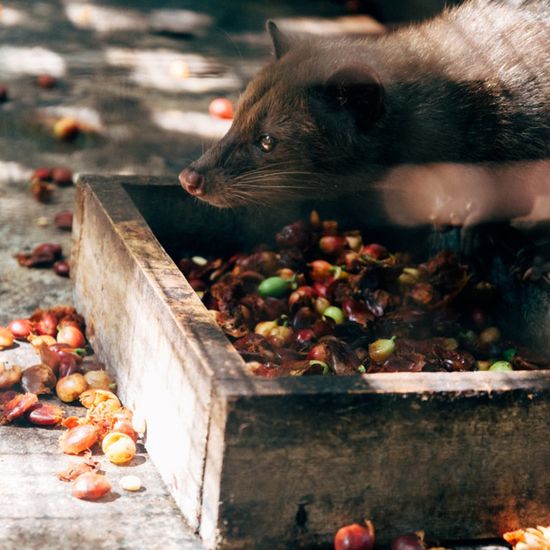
(192, 181)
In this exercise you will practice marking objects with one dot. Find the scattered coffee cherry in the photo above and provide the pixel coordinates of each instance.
(409, 541)
(274, 287)
(6, 338)
(18, 406)
(381, 349)
(47, 324)
(489, 336)
(78, 439)
(38, 379)
(118, 447)
(124, 425)
(43, 255)
(4, 96)
(374, 251)
(355, 537)
(62, 268)
(64, 220)
(66, 129)
(70, 388)
(42, 173)
(501, 366)
(46, 81)
(62, 176)
(130, 483)
(99, 379)
(333, 245)
(42, 191)
(72, 336)
(9, 376)
(45, 414)
(221, 108)
(90, 486)
(334, 313)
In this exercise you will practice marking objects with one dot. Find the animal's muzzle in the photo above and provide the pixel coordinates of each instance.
(192, 181)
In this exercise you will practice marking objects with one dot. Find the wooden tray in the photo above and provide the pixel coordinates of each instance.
(256, 463)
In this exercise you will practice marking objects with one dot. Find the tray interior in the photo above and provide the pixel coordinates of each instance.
(182, 223)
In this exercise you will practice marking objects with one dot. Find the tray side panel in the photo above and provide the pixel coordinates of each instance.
(461, 467)
(134, 332)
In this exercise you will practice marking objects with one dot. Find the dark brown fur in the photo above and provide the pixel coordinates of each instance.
(471, 86)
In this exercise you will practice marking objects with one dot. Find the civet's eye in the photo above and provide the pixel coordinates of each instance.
(266, 143)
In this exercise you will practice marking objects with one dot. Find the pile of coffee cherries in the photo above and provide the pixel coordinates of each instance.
(67, 369)
(329, 302)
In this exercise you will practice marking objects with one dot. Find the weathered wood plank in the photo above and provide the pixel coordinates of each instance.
(459, 454)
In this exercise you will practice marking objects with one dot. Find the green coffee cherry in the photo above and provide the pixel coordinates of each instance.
(274, 287)
(334, 313)
(381, 349)
(501, 366)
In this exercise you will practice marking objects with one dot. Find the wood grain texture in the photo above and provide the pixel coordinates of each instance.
(462, 455)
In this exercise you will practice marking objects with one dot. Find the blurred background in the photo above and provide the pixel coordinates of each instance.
(124, 86)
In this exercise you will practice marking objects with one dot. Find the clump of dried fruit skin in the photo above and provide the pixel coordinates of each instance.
(79, 439)
(118, 447)
(18, 406)
(9, 375)
(45, 414)
(90, 486)
(6, 338)
(529, 539)
(76, 468)
(92, 398)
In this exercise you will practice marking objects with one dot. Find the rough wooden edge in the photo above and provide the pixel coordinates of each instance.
(238, 382)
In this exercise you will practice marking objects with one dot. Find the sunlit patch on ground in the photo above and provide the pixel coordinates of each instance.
(179, 22)
(104, 19)
(172, 71)
(88, 119)
(191, 123)
(18, 60)
(109, 19)
(9, 16)
(11, 172)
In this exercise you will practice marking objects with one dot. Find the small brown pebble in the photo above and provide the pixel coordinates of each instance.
(64, 220)
(46, 81)
(42, 221)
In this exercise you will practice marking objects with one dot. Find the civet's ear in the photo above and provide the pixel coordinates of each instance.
(281, 42)
(356, 88)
